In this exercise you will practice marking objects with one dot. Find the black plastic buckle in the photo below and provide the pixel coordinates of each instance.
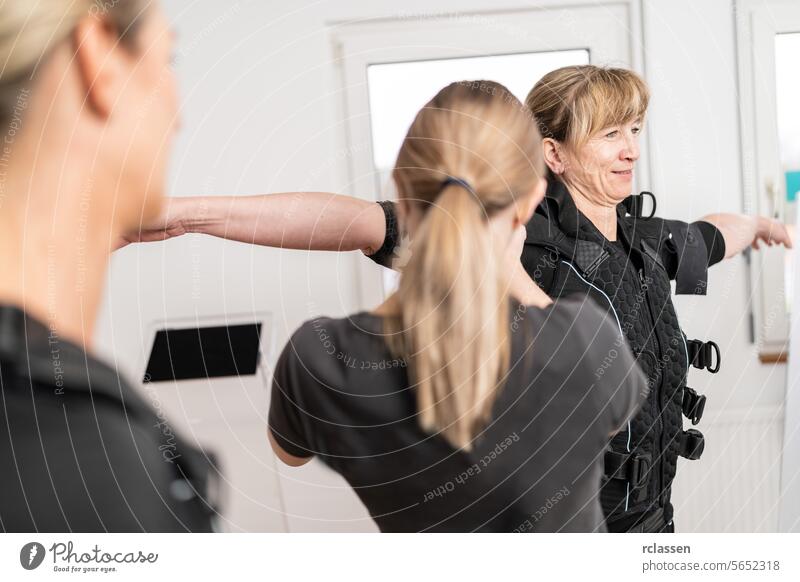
(638, 467)
(692, 444)
(701, 355)
(630, 467)
(634, 205)
(693, 404)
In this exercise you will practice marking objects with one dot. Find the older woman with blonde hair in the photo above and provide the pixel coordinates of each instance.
(589, 236)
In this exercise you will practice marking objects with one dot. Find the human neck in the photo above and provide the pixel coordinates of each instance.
(54, 240)
(601, 214)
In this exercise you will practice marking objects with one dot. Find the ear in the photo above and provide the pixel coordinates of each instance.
(553, 155)
(94, 55)
(527, 206)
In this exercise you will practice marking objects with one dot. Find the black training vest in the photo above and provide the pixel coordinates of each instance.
(34, 361)
(566, 254)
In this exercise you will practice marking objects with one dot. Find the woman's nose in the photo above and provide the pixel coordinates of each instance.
(631, 150)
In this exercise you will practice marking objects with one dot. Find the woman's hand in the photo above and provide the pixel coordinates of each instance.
(771, 232)
(520, 284)
(740, 231)
(170, 224)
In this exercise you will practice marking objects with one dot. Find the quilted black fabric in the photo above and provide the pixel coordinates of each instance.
(629, 280)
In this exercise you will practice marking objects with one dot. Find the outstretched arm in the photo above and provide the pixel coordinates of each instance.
(292, 220)
(740, 231)
(300, 220)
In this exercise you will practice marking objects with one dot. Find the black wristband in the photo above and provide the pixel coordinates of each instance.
(384, 255)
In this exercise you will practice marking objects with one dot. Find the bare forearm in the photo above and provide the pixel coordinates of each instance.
(740, 231)
(292, 220)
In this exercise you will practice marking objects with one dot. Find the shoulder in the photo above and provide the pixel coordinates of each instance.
(578, 322)
(324, 347)
(543, 226)
(319, 335)
(574, 326)
(600, 349)
(659, 230)
(580, 356)
(649, 228)
(590, 321)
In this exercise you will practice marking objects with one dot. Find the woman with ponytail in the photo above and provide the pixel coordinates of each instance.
(453, 406)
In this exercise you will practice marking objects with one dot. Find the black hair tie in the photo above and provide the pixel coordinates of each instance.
(460, 181)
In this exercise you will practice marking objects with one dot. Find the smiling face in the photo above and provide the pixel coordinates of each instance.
(591, 118)
(602, 168)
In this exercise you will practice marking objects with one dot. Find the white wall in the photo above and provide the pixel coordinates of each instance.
(691, 68)
(261, 113)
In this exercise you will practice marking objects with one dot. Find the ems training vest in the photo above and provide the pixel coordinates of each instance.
(82, 451)
(630, 279)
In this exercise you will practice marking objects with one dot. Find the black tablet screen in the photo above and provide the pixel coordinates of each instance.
(204, 352)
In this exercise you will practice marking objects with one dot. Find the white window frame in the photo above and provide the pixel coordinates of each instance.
(757, 23)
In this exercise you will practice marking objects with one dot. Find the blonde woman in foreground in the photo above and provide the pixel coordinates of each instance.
(80, 450)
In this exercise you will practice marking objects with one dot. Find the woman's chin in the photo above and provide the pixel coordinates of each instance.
(620, 195)
(622, 191)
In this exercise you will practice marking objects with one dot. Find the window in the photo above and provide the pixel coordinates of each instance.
(769, 40)
(398, 90)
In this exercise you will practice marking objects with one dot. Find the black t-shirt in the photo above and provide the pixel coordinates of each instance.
(80, 451)
(339, 393)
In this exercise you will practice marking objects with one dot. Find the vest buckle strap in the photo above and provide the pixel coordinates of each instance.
(692, 443)
(701, 355)
(630, 467)
(634, 205)
(693, 404)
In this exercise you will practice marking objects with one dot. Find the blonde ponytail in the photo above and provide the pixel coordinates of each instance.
(468, 155)
(455, 332)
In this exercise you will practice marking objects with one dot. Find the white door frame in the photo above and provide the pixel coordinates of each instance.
(757, 23)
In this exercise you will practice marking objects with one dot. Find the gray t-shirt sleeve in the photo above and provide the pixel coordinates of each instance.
(286, 410)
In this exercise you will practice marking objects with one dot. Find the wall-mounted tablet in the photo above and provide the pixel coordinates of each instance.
(204, 352)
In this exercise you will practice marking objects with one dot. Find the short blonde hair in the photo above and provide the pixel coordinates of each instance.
(570, 104)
